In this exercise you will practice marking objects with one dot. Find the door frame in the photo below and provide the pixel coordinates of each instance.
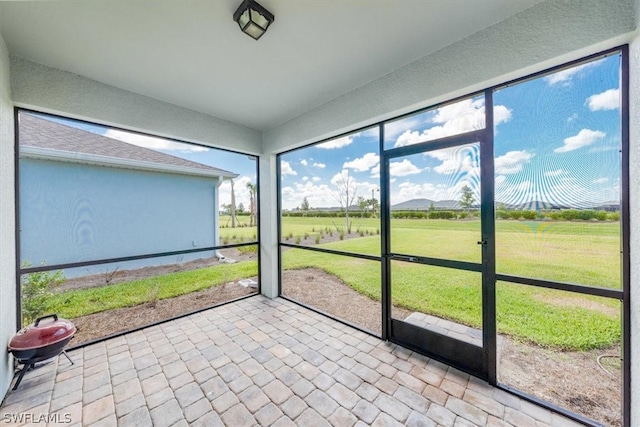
(478, 361)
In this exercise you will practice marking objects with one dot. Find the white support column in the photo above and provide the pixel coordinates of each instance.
(7, 224)
(634, 190)
(268, 190)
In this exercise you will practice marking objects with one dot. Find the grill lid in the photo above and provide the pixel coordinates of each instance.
(42, 333)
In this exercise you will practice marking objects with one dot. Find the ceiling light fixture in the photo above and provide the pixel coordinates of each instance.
(253, 19)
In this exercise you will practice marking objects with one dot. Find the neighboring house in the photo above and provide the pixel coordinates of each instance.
(86, 197)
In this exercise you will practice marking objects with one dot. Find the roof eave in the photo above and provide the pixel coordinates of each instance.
(107, 161)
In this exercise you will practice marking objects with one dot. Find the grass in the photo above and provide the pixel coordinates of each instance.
(586, 253)
(76, 303)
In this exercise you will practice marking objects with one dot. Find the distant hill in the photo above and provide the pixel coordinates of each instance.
(425, 204)
(535, 205)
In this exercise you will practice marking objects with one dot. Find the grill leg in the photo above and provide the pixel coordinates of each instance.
(67, 356)
(22, 372)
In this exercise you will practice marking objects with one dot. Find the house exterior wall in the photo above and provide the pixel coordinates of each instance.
(73, 212)
(7, 223)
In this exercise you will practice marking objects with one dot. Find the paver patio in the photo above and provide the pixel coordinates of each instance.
(260, 362)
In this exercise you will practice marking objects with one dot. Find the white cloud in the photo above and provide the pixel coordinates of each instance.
(303, 162)
(501, 114)
(342, 177)
(317, 195)
(153, 143)
(286, 169)
(403, 168)
(319, 165)
(607, 100)
(500, 179)
(375, 171)
(456, 159)
(565, 76)
(456, 110)
(363, 163)
(316, 179)
(512, 162)
(601, 180)
(336, 143)
(305, 178)
(454, 119)
(573, 117)
(557, 172)
(584, 138)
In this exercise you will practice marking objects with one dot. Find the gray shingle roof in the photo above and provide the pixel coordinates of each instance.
(39, 132)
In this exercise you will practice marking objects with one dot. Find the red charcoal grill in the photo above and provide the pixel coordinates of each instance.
(41, 341)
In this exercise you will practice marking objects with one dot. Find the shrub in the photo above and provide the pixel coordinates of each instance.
(317, 239)
(614, 216)
(36, 288)
(529, 215)
(441, 215)
(341, 235)
(502, 214)
(297, 240)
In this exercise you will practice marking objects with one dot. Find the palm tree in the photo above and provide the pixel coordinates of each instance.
(252, 203)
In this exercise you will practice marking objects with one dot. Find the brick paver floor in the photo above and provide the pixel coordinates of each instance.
(260, 362)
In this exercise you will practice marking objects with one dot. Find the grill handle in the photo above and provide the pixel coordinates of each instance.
(55, 317)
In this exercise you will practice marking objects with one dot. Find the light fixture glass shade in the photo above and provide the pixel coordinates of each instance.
(254, 30)
(253, 19)
(244, 18)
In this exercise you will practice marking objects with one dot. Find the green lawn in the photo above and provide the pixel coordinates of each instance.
(76, 303)
(576, 252)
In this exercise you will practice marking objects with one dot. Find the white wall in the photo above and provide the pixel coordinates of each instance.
(54, 91)
(7, 224)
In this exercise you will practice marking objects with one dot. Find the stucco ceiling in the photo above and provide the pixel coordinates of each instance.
(191, 53)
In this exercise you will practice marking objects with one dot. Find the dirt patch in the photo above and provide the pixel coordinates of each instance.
(572, 380)
(123, 319)
(578, 302)
(328, 293)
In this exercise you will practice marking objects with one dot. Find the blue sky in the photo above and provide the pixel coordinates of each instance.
(557, 140)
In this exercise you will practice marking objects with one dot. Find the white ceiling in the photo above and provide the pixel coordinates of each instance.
(191, 53)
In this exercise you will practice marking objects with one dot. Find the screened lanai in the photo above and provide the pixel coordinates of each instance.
(432, 185)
